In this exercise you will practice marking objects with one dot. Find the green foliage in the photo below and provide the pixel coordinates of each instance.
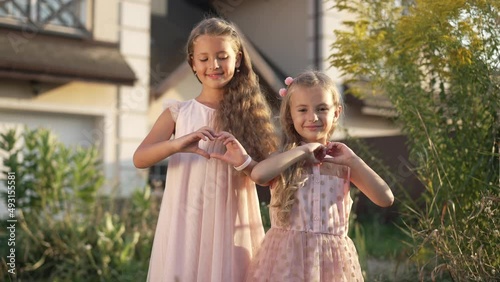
(439, 63)
(48, 173)
(266, 218)
(359, 239)
(66, 231)
(384, 241)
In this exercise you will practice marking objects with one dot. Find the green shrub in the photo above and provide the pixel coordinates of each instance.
(66, 230)
(438, 63)
(266, 219)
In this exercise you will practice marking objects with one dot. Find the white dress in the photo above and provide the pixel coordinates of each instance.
(209, 225)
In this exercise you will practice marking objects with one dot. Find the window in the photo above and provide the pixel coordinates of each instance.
(66, 16)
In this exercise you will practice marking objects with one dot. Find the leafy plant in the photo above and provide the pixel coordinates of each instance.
(266, 219)
(67, 230)
(438, 63)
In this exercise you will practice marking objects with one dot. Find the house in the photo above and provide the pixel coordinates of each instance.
(99, 71)
(80, 68)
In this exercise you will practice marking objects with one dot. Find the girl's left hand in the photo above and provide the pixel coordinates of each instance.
(340, 153)
(316, 152)
(235, 153)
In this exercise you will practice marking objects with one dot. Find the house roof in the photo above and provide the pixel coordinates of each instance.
(56, 59)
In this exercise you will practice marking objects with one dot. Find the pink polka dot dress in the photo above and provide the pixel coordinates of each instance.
(315, 246)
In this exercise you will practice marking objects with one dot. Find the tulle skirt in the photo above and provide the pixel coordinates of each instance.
(287, 255)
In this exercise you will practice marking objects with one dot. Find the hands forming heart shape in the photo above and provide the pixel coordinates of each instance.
(321, 152)
(234, 154)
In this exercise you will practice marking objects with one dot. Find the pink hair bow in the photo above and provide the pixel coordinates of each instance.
(283, 91)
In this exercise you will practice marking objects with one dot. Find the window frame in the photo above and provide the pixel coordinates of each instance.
(28, 21)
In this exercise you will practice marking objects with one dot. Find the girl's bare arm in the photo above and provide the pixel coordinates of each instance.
(370, 183)
(157, 145)
(268, 169)
(364, 177)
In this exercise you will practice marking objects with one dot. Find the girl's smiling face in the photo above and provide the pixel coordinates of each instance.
(313, 113)
(214, 60)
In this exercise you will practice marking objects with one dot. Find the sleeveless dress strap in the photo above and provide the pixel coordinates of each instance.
(173, 106)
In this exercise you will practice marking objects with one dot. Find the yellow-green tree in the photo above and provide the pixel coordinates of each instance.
(439, 63)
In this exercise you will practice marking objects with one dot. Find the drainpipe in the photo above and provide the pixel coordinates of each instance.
(317, 61)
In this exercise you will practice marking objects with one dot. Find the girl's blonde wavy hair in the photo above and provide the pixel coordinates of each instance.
(293, 178)
(243, 110)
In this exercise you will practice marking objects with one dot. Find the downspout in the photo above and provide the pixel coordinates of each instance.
(317, 60)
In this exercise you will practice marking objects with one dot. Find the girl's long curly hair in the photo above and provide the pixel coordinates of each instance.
(243, 111)
(293, 177)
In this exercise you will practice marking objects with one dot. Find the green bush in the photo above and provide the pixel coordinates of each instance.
(66, 230)
(266, 218)
(438, 63)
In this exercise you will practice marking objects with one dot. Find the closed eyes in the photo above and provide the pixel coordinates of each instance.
(219, 58)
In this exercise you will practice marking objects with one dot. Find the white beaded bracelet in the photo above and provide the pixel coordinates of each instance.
(244, 165)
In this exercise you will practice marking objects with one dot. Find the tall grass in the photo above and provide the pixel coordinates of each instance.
(438, 63)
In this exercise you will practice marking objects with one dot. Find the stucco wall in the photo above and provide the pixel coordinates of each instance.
(106, 15)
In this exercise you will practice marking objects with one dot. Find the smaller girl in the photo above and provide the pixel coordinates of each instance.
(310, 180)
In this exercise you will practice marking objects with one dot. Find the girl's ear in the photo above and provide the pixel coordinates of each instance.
(191, 63)
(338, 111)
(238, 59)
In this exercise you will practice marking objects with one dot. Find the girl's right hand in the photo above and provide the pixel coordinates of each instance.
(189, 143)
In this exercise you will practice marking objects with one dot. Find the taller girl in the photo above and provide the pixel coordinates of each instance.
(209, 224)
